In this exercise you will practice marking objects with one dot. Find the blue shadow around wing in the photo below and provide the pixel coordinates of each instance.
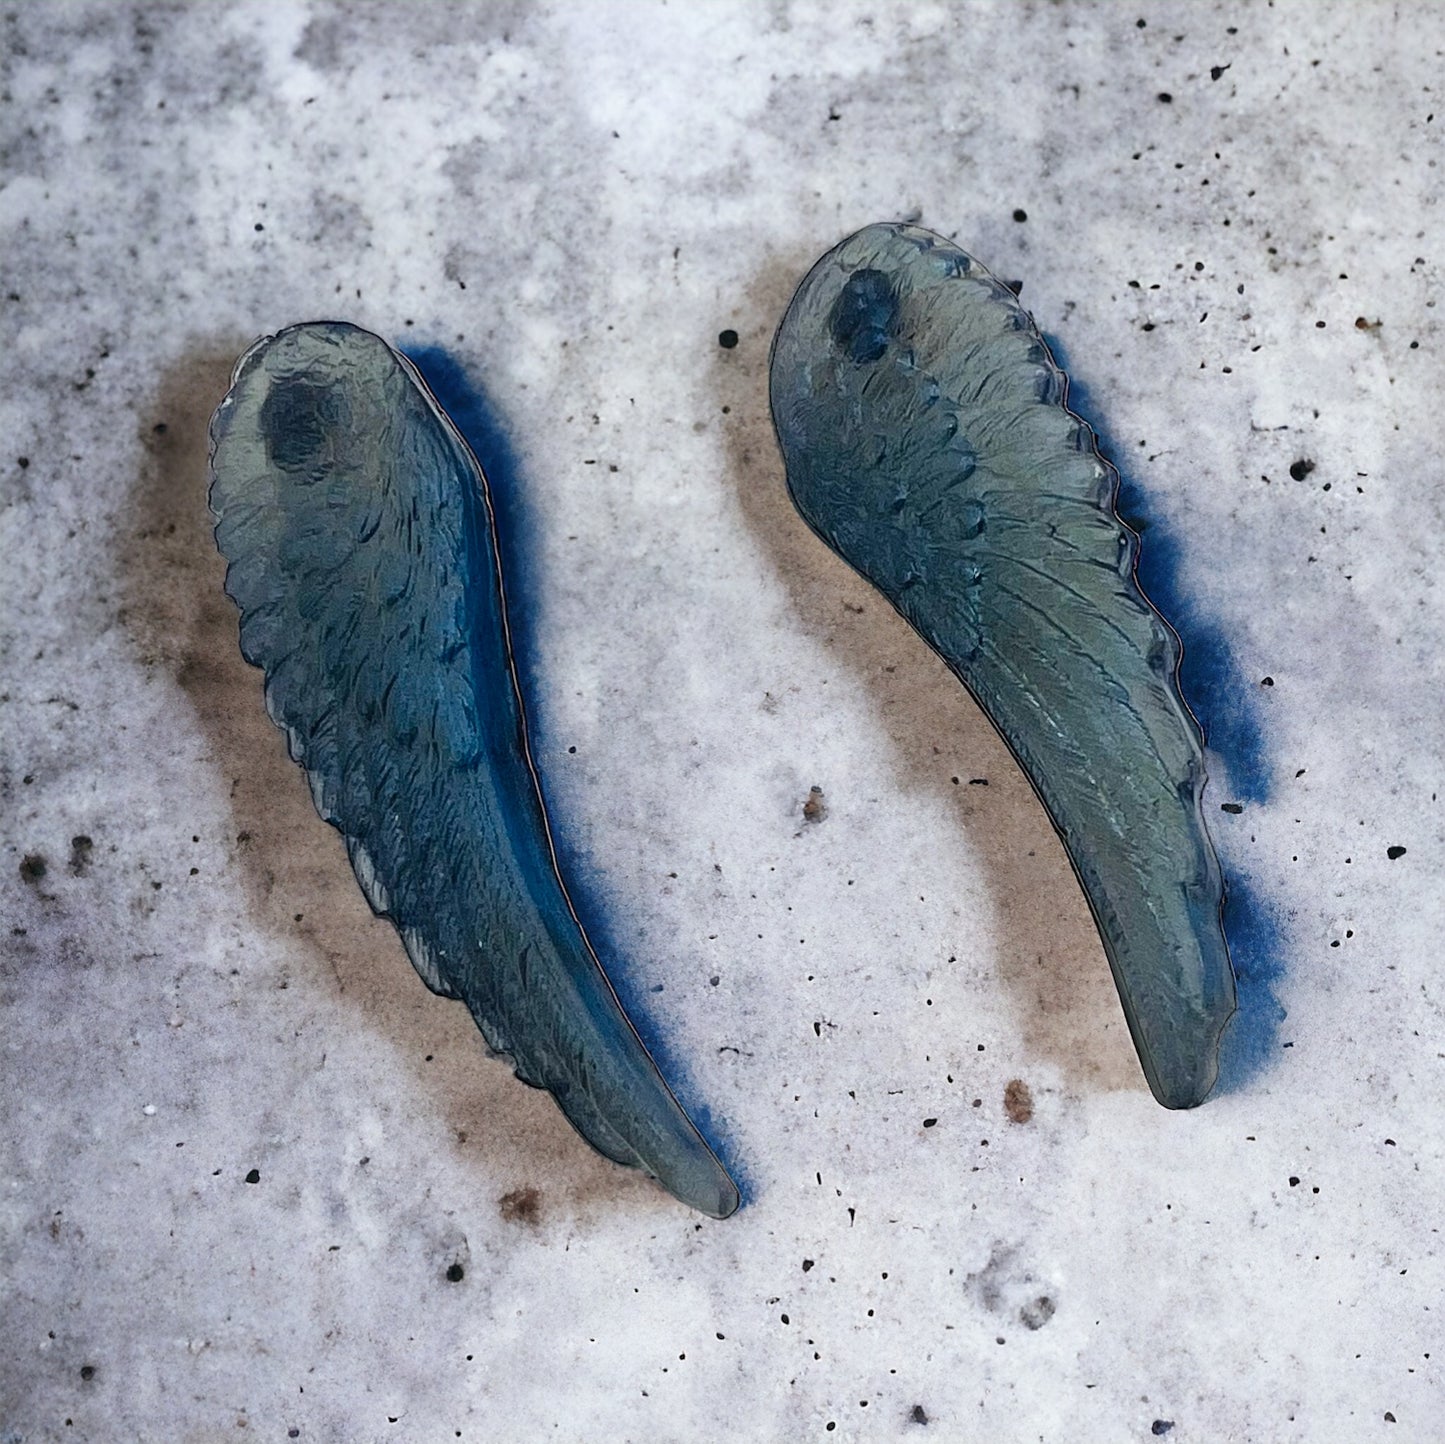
(477, 418)
(1252, 1040)
(1226, 703)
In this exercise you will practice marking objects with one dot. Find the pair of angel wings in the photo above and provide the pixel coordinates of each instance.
(923, 426)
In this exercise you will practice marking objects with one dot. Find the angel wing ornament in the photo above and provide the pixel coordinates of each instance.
(363, 556)
(927, 440)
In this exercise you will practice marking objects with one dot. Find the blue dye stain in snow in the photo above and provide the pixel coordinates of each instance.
(1226, 704)
(1251, 1041)
(478, 419)
(1223, 700)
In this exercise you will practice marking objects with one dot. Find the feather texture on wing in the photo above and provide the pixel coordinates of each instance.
(924, 428)
(362, 550)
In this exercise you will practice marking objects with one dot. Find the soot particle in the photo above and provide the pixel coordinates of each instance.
(521, 1205)
(1018, 1101)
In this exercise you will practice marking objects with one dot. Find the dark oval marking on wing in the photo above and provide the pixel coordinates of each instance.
(865, 316)
(296, 419)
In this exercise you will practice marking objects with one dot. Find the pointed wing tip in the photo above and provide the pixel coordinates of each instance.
(717, 1196)
(728, 1198)
(1191, 1078)
(688, 1168)
(1181, 1097)
(694, 1175)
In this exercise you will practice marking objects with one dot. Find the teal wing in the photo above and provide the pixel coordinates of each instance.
(362, 554)
(924, 428)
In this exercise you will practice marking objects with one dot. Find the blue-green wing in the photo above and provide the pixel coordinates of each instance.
(924, 428)
(362, 553)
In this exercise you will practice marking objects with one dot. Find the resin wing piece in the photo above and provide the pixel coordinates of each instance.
(359, 531)
(924, 429)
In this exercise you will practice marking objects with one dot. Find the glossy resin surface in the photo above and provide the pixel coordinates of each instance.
(362, 552)
(927, 440)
